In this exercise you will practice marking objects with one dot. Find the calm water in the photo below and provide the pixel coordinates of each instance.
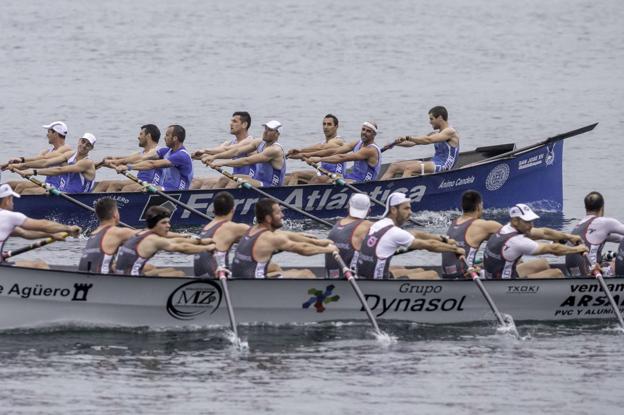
(506, 70)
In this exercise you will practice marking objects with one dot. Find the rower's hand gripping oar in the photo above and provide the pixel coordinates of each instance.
(499, 316)
(598, 275)
(341, 182)
(223, 274)
(243, 183)
(54, 191)
(150, 188)
(35, 245)
(351, 278)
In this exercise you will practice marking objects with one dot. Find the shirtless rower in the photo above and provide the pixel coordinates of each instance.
(332, 140)
(57, 131)
(445, 142)
(98, 253)
(133, 255)
(505, 249)
(148, 138)
(365, 155)
(348, 234)
(266, 159)
(76, 173)
(239, 128)
(594, 230)
(224, 232)
(18, 224)
(174, 160)
(386, 236)
(252, 258)
(469, 231)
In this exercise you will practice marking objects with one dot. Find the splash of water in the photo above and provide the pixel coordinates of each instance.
(384, 338)
(237, 342)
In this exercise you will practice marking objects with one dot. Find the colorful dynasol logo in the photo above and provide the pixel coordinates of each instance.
(320, 298)
(497, 177)
(193, 298)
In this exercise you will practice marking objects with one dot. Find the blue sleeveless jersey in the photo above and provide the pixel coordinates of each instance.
(362, 171)
(338, 168)
(241, 169)
(74, 182)
(53, 180)
(445, 156)
(266, 173)
(153, 176)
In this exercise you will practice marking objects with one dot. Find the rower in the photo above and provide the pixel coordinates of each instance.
(105, 240)
(148, 138)
(348, 234)
(133, 255)
(445, 142)
(77, 172)
(505, 249)
(57, 131)
(365, 155)
(252, 258)
(469, 231)
(267, 162)
(18, 224)
(332, 141)
(386, 236)
(618, 262)
(594, 230)
(239, 128)
(224, 232)
(174, 159)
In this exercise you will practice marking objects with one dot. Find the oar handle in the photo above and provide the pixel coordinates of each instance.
(38, 244)
(345, 269)
(388, 146)
(486, 295)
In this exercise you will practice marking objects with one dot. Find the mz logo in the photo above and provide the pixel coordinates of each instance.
(194, 298)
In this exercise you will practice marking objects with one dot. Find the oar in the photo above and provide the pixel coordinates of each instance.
(614, 305)
(486, 295)
(152, 189)
(351, 278)
(222, 273)
(54, 191)
(340, 181)
(38, 244)
(249, 186)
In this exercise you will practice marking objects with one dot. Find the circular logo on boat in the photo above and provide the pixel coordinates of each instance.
(194, 298)
(497, 177)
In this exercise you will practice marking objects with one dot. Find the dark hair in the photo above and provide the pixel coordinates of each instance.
(471, 200)
(333, 117)
(153, 131)
(223, 203)
(594, 202)
(105, 207)
(244, 116)
(178, 131)
(439, 110)
(155, 214)
(264, 207)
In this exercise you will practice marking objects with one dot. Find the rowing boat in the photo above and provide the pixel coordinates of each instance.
(500, 173)
(31, 298)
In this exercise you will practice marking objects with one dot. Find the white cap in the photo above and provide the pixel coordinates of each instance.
(89, 137)
(523, 212)
(371, 125)
(58, 126)
(272, 125)
(359, 204)
(395, 199)
(5, 190)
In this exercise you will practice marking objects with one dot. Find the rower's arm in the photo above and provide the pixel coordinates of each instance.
(344, 148)
(331, 144)
(444, 135)
(80, 167)
(49, 154)
(183, 247)
(283, 243)
(146, 165)
(301, 237)
(436, 246)
(559, 249)
(26, 234)
(266, 156)
(553, 235)
(44, 162)
(430, 236)
(236, 149)
(49, 226)
(364, 153)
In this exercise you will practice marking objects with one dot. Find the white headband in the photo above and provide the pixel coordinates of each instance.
(370, 125)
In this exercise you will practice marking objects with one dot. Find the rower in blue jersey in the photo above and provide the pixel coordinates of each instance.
(267, 163)
(239, 128)
(446, 144)
(364, 153)
(331, 141)
(56, 133)
(174, 160)
(148, 138)
(76, 175)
